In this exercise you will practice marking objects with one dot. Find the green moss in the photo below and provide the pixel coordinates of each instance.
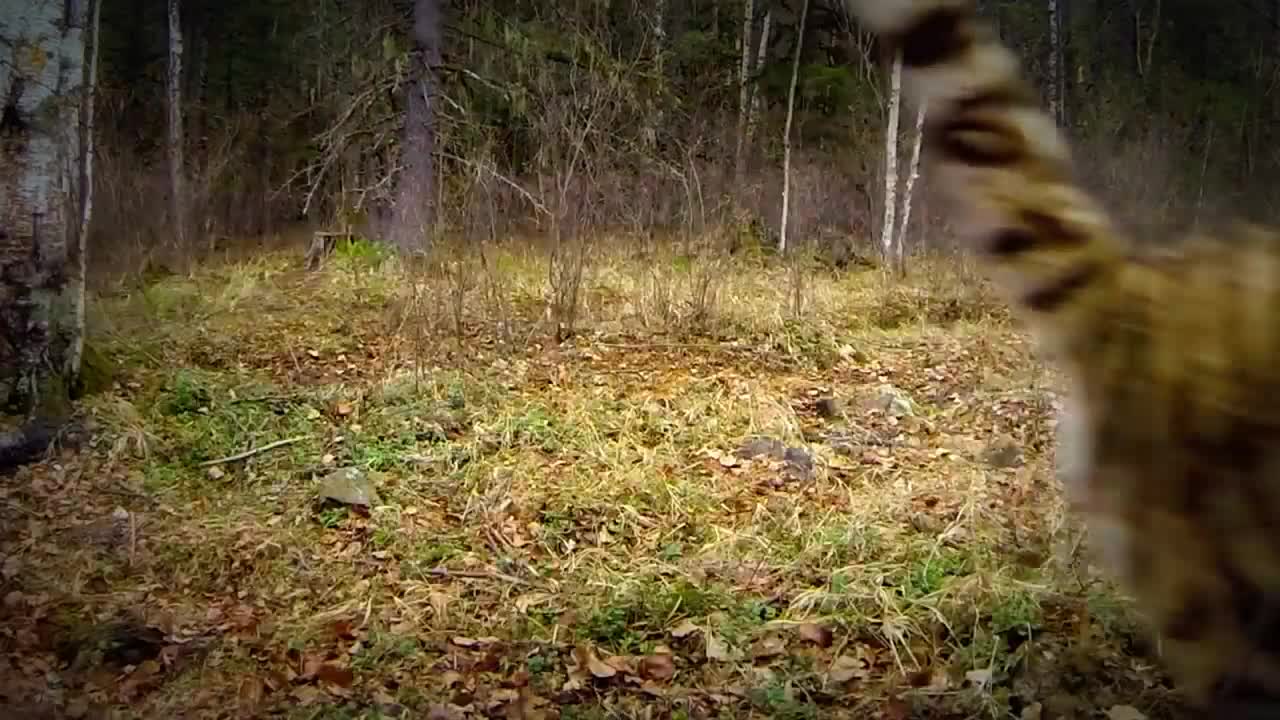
(96, 372)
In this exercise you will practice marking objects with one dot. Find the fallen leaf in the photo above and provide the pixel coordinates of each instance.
(814, 633)
(684, 629)
(1125, 712)
(250, 693)
(334, 675)
(462, 641)
(896, 709)
(767, 647)
(717, 649)
(657, 667)
(597, 667)
(846, 668)
(306, 695)
(980, 677)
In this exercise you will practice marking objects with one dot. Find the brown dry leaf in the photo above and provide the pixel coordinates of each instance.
(441, 711)
(684, 629)
(599, 668)
(343, 630)
(140, 679)
(307, 695)
(1125, 712)
(465, 642)
(767, 647)
(250, 693)
(344, 409)
(621, 663)
(335, 675)
(896, 709)
(814, 633)
(846, 668)
(450, 678)
(528, 600)
(718, 649)
(311, 665)
(658, 667)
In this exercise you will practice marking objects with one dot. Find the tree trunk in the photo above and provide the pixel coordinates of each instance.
(175, 137)
(912, 176)
(1055, 61)
(1066, 57)
(659, 69)
(786, 133)
(891, 160)
(47, 75)
(414, 191)
(744, 92)
(753, 112)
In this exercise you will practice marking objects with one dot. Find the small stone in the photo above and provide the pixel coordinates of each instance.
(829, 408)
(1003, 453)
(349, 486)
(894, 402)
(762, 446)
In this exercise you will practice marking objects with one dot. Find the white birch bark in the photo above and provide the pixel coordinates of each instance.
(891, 160)
(44, 200)
(786, 137)
(912, 176)
(175, 137)
(744, 90)
(1055, 61)
(753, 113)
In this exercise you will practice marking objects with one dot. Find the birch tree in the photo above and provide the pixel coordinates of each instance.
(47, 74)
(744, 90)
(912, 175)
(655, 121)
(175, 137)
(762, 52)
(416, 181)
(1055, 61)
(786, 133)
(891, 160)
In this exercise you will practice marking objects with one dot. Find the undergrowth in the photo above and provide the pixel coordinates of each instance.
(565, 528)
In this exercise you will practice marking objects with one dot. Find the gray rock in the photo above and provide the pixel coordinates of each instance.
(349, 486)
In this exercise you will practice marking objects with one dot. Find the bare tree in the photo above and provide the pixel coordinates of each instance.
(753, 113)
(1055, 58)
(912, 176)
(786, 133)
(47, 76)
(175, 137)
(744, 90)
(659, 68)
(414, 192)
(891, 159)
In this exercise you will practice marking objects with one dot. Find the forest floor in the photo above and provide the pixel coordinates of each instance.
(695, 507)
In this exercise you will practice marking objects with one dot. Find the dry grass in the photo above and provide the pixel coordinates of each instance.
(564, 528)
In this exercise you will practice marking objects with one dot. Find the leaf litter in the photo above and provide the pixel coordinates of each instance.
(624, 523)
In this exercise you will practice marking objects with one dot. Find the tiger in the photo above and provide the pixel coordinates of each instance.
(1168, 443)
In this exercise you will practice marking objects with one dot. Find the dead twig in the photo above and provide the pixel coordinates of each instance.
(253, 451)
(477, 575)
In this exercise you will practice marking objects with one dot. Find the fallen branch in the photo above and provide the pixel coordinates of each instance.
(253, 451)
(477, 575)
